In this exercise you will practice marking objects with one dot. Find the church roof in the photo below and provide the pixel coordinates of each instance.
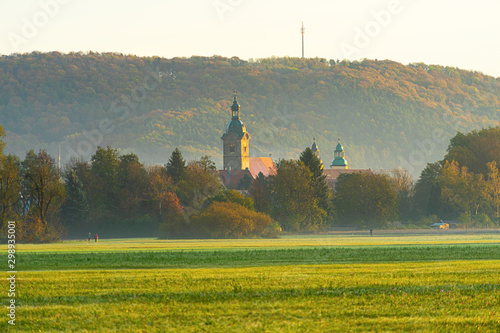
(314, 147)
(339, 161)
(235, 126)
(262, 164)
(257, 165)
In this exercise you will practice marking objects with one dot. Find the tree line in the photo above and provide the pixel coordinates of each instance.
(116, 195)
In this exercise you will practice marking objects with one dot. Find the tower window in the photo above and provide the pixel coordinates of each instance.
(245, 149)
(232, 148)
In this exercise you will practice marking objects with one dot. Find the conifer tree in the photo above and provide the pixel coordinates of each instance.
(75, 208)
(176, 166)
(318, 178)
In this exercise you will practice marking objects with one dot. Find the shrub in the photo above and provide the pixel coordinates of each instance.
(230, 220)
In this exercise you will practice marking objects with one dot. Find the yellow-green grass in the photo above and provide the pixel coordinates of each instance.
(435, 283)
(460, 296)
(440, 237)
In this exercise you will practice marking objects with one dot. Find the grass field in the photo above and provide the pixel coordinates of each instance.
(435, 283)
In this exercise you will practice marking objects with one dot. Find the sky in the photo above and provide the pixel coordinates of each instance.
(457, 33)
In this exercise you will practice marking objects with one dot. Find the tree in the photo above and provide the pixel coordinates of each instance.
(260, 193)
(104, 183)
(427, 196)
(176, 166)
(404, 186)
(493, 184)
(133, 183)
(321, 189)
(200, 182)
(475, 149)
(365, 199)
(161, 186)
(462, 190)
(234, 197)
(294, 203)
(244, 183)
(43, 185)
(75, 209)
(10, 187)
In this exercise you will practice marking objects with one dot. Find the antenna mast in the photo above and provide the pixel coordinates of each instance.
(302, 31)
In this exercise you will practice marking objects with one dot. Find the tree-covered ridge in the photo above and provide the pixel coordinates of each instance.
(383, 110)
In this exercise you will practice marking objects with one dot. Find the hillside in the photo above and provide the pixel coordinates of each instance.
(386, 113)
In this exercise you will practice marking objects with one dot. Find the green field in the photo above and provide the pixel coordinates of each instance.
(435, 282)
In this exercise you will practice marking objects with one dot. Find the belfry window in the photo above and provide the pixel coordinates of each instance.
(232, 148)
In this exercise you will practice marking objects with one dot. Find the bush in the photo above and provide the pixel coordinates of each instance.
(222, 220)
(30, 229)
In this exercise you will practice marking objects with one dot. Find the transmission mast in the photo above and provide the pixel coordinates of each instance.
(302, 31)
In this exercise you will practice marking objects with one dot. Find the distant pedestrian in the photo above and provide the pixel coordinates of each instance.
(371, 232)
(89, 237)
(96, 237)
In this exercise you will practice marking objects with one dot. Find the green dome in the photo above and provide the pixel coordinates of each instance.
(235, 126)
(339, 161)
(339, 147)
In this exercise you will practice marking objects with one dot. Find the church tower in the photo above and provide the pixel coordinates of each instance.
(315, 150)
(235, 142)
(339, 161)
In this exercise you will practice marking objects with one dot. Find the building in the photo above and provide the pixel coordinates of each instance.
(338, 166)
(236, 153)
(339, 161)
(237, 161)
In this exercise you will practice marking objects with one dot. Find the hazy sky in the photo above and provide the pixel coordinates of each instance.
(459, 33)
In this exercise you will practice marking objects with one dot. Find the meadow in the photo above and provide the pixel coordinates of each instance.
(435, 283)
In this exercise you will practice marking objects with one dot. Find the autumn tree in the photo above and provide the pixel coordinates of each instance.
(200, 182)
(463, 190)
(43, 185)
(10, 187)
(493, 184)
(404, 186)
(234, 197)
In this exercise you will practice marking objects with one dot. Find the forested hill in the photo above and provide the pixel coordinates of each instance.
(386, 113)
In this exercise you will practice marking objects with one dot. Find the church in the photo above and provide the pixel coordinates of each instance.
(237, 161)
(236, 153)
(338, 165)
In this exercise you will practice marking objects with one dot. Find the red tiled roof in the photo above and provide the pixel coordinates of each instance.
(262, 164)
(257, 165)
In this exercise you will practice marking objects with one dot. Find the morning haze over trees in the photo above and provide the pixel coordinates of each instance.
(121, 197)
(149, 166)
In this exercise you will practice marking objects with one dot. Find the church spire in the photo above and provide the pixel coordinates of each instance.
(235, 108)
(339, 160)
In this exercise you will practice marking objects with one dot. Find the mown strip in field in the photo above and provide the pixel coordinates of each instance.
(253, 257)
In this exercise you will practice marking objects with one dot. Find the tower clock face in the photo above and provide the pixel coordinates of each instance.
(232, 148)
